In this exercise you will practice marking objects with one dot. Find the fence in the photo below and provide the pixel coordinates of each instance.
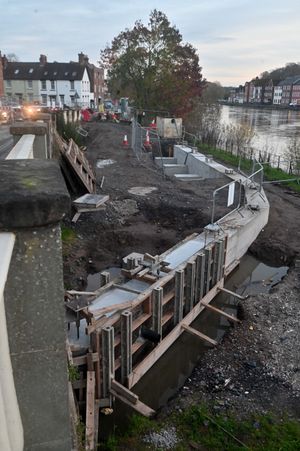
(145, 139)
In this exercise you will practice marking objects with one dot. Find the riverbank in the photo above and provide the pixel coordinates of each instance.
(263, 106)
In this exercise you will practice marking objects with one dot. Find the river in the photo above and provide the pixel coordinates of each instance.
(274, 129)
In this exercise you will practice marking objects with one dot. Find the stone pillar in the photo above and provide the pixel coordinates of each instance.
(47, 119)
(33, 199)
(39, 129)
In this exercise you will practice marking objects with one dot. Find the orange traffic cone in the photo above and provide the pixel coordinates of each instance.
(153, 124)
(125, 141)
(147, 143)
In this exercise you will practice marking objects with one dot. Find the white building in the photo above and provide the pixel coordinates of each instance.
(65, 84)
(277, 94)
(50, 84)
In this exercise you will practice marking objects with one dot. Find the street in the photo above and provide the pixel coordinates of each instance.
(6, 141)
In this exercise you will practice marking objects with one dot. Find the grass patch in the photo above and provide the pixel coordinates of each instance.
(270, 173)
(67, 235)
(197, 428)
(261, 433)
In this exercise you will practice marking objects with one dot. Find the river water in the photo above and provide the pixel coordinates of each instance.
(274, 129)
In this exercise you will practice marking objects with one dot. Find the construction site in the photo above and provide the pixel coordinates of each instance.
(168, 244)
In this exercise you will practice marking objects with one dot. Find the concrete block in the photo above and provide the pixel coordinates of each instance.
(164, 160)
(172, 169)
(32, 193)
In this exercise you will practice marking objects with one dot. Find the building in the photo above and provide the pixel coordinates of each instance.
(287, 86)
(257, 94)
(96, 75)
(50, 84)
(267, 93)
(295, 98)
(277, 93)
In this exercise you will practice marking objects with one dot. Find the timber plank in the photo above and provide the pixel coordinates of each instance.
(198, 334)
(90, 412)
(221, 312)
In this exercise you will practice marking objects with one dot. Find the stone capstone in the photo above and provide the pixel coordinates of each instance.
(32, 193)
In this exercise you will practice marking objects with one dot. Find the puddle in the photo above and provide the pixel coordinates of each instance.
(102, 163)
(142, 190)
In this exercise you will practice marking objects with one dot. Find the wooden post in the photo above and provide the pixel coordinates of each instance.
(90, 411)
(220, 259)
(190, 286)
(200, 276)
(217, 250)
(108, 359)
(97, 364)
(179, 294)
(208, 255)
(104, 278)
(126, 345)
(157, 297)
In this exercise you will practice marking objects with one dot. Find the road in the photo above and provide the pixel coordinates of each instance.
(6, 141)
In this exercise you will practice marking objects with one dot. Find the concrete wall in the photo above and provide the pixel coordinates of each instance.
(241, 228)
(34, 199)
(197, 163)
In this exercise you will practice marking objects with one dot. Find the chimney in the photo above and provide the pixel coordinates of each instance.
(83, 59)
(43, 60)
(4, 61)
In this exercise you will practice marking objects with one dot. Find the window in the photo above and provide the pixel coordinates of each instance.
(52, 84)
(66, 73)
(74, 73)
(72, 98)
(44, 99)
(8, 83)
(72, 87)
(30, 97)
(17, 71)
(29, 84)
(30, 70)
(46, 73)
(62, 99)
(43, 84)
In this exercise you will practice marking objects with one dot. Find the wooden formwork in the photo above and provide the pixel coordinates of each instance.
(118, 357)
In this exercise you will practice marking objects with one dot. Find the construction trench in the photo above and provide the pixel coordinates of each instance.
(117, 332)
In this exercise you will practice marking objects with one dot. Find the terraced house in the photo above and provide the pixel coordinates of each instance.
(49, 84)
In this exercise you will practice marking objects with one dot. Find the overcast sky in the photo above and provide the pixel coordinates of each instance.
(236, 39)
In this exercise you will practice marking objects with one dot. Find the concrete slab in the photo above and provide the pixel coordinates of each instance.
(172, 169)
(142, 190)
(188, 177)
(102, 163)
(90, 200)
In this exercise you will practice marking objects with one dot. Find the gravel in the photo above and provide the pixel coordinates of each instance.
(164, 439)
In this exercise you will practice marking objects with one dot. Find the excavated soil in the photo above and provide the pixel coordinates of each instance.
(256, 368)
(151, 222)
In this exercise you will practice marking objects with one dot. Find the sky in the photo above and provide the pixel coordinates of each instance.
(236, 40)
